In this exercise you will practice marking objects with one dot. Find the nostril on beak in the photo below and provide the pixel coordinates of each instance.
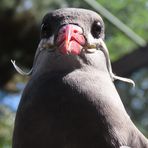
(75, 31)
(63, 31)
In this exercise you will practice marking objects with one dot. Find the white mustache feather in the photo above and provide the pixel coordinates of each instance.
(19, 70)
(102, 46)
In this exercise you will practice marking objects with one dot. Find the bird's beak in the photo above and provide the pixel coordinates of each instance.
(70, 39)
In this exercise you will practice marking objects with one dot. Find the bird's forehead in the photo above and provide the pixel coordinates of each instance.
(75, 15)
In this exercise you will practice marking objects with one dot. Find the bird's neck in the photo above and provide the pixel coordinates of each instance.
(68, 63)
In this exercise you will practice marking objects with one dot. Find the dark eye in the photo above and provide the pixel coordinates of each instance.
(43, 27)
(45, 31)
(96, 29)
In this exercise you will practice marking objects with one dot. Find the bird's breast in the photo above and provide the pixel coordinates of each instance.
(68, 108)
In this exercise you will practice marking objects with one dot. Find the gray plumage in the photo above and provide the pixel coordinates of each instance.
(70, 100)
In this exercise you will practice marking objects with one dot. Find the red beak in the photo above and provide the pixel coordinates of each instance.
(70, 39)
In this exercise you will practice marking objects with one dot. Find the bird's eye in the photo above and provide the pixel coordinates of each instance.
(96, 29)
(45, 31)
(43, 27)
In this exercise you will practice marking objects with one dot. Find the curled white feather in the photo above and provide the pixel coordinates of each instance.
(103, 48)
(20, 71)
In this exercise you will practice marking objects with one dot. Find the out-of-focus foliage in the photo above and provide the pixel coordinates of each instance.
(136, 99)
(6, 126)
(19, 27)
(134, 15)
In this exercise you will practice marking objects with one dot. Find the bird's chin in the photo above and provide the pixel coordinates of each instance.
(77, 51)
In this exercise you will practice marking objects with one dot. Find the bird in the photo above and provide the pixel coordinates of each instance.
(70, 100)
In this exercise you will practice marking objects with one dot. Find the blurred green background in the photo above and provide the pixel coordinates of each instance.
(19, 36)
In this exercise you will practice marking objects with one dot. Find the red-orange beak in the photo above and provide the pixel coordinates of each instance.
(70, 39)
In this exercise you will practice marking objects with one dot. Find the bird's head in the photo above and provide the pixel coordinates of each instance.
(69, 36)
(71, 31)
(72, 37)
